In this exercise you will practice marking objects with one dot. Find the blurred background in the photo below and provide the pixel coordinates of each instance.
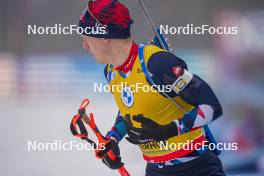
(43, 79)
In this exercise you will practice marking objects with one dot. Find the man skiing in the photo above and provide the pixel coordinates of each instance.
(147, 115)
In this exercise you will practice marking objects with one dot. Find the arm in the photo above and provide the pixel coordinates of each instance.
(118, 131)
(167, 69)
(207, 107)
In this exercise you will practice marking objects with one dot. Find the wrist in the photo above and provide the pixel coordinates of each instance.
(114, 136)
(169, 131)
(174, 130)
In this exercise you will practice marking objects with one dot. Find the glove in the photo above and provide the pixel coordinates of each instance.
(107, 160)
(150, 131)
(109, 145)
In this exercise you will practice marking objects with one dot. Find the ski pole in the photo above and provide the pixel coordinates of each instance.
(150, 22)
(77, 120)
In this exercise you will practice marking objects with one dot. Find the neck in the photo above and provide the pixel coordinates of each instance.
(120, 52)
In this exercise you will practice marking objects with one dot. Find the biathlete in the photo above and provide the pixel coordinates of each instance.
(150, 119)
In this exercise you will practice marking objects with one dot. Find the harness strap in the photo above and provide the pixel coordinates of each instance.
(83, 134)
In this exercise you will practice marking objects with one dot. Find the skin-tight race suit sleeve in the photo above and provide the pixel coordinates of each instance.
(168, 69)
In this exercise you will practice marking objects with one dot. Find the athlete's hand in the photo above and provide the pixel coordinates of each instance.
(150, 131)
(107, 160)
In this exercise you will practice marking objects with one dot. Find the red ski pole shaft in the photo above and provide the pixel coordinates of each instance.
(90, 121)
(122, 171)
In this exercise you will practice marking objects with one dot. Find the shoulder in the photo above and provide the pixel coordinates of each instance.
(162, 62)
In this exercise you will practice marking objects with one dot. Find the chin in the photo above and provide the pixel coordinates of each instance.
(100, 61)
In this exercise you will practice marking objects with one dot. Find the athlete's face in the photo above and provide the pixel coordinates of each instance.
(97, 47)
